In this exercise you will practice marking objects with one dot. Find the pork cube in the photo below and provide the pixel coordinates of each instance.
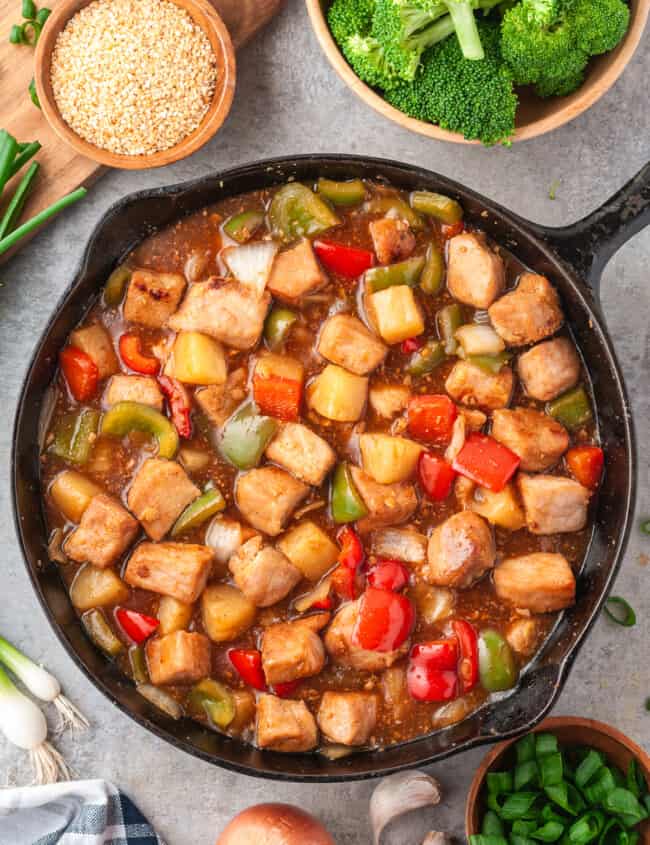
(179, 570)
(347, 718)
(96, 342)
(539, 582)
(152, 297)
(218, 401)
(290, 651)
(178, 658)
(392, 239)
(395, 313)
(228, 312)
(142, 389)
(266, 498)
(310, 549)
(105, 532)
(475, 274)
(158, 495)
(529, 313)
(296, 272)
(388, 400)
(262, 573)
(302, 452)
(549, 369)
(284, 725)
(388, 504)
(553, 504)
(461, 550)
(469, 384)
(339, 645)
(522, 635)
(345, 341)
(405, 544)
(474, 420)
(539, 440)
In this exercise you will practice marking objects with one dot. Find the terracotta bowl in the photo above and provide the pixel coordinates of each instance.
(570, 731)
(210, 22)
(535, 116)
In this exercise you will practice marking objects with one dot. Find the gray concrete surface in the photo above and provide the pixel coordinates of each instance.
(289, 100)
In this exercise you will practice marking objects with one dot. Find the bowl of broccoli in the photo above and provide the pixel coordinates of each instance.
(479, 71)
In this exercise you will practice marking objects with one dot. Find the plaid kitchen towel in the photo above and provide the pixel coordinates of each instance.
(85, 812)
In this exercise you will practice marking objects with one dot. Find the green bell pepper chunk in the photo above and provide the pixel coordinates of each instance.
(395, 207)
(74, 435)
(449, 319)
(242, 227)
(351, 192)
(572, 409)
(346, 502)
(403, 273)
(277, 326)
(297, 212)
(198, 511)
(426, 359)
(116, 285)
(100, 632)
(138, 664)
(433, 273)
(437, 205)
(497, 668)
(490, 363)
(126, 417)
(215, 700)
(246, 435)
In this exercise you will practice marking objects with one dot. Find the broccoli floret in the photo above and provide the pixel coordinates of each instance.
(368, 60)
(553, 86)
(350, 17)
(599, 25)
(475, 99)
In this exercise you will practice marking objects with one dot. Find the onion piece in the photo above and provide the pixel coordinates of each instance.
(479, 340)
(398, 794)
(225, 536)
(251, 264)
(405, 544)
(274, 824)
(318, 594)
(162, 700)
(458, 434)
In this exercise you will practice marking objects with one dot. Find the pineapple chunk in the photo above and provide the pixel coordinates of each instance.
(174, 615)
(309, 549)
(389, 459)
(395, 313)
(197, 359)
(500, 508)
(338, 395)
(279, 366)
(71, 492)
(94, 587)
(227, 612)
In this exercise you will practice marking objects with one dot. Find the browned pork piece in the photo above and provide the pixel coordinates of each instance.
(553, 504)
(179, 570)
(302, 452)
(158, 495)
(348, 718)
(522, 635)
(285, 725)
(142, 389)
(392, 239)
(539, 582)
(388, 400)
(539, 440)
(267, 496)
(262, 573)
(218, 401)
(548, 369)
(293, 650)
(470, 385)
(296, 272)
(96, 342)
(229, 312)
(388, 504)
(475, 274)
(529, 313)
(460, 551)
(342, 650)
(345, 341)
(178, 658)
(105, 532)
(152, 297)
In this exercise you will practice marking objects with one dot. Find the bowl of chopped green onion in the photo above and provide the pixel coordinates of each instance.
(572, 781)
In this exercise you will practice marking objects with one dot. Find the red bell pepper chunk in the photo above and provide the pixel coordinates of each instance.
(450, 230)
(136, 625)
(431, 418)
(486, 462)
(435, 476)
(179, 403)
(410, 345)
(385, 620)
(286, 689)
(277, 396)
(80, 372)
(323, 604)
(132, 355)
(248, 663)
(388, 574)
(468, 663)
(585, 464)
(345, 582)
(432, 672)
(348, 261)
(351, 554)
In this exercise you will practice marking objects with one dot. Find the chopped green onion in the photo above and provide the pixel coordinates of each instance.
(549, 832)
(588, 768)
(492, 824)
(16, 34)
(31, 32)
(566, 796)
(519, 805)
(624, 803)
(645, 526)
(524, 827)
(599, 786)
(647, 704)
(586, 828)
(498, 782)
(42, 15)
(526, 774)
(27, 151)
(28, 9)
(15, 207)
(551, 769)
(483, 839)
(545, 744)
(7, 242)
(525, 749)
(33, 94)
(8, 150)
(613, 608)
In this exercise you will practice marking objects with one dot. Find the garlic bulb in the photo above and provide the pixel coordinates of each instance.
(398, 794)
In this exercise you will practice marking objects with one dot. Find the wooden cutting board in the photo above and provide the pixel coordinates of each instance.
(62, 169)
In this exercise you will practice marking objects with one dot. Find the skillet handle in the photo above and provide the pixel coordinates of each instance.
(589, 244)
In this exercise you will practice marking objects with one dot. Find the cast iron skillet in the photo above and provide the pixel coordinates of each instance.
(573, 258)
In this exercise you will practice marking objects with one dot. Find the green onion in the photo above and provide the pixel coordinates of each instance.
(525, 749)
(613, 608)
(600, 786)
(545, 744)
(482, 839)
(526, 774)
(548, 832)
(519, 805)
(27, 151)
(28, 9)
(492, 824)
(15, 207)
(623, 803)
(647, 704)
(551, 769)
(42, 15)
(7, 242)
(31, 32)
(8, 150)
(566, 796)
(33, 94)
(645, 526)
(587, 828)
(588, 768)
(16, 34)
(524, 827)
(498, 782)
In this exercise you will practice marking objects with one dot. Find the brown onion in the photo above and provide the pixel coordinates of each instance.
(274, 824)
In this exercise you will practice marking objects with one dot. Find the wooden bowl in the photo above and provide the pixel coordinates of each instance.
(206, 17)
(570, 731)
(535, 116)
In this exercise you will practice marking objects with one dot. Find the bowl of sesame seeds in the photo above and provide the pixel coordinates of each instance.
(135, 83)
